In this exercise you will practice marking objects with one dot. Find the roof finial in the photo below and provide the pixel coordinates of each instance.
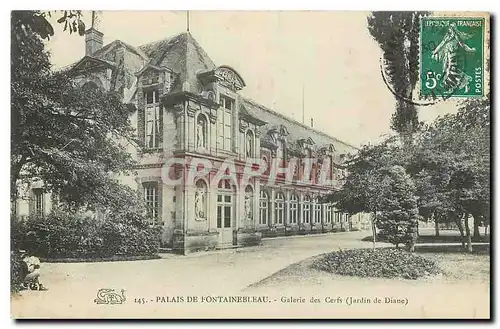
(187, 20)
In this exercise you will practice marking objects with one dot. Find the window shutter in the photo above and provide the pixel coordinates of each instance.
(141, 118)
(160, 138)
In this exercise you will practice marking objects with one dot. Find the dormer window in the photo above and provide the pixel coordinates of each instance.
(150, 78)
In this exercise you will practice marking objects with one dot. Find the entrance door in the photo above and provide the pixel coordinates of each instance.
(225, 213)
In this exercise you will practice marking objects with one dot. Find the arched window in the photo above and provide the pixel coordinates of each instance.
(307, 210)
(249, 144)
(280, 208)
(248, 205)
(264, 207)
(201, 132)
(200, 200)
(294, 208)
(317, 211)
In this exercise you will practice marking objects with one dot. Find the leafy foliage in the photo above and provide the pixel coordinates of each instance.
(382, 262)
(35, 22)
(397, 33)
(399, 213)
(16, 264)
(445, 175)
(63, 235)
(378, 184)
(70, 137)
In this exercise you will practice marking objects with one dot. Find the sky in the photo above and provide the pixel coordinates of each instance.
(330, 55)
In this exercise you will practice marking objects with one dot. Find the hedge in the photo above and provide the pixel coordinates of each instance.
(62, 235)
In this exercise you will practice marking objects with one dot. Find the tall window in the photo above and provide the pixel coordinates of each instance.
(328, 217)
(249, 144)
(280, 208)
(201, 131)
(38, 201)
(224, 204)
(263, 207)
(317, 211)
(294, 208)
(224, 123)
(337, 217)
(151, 197)
(152, 117)
(307, 210)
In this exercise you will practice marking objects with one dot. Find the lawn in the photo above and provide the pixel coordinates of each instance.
(460, 291)
(456, 267)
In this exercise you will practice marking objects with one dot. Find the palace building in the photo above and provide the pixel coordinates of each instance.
(190, 109)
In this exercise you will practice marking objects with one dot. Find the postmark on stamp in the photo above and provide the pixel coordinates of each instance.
(451, 57)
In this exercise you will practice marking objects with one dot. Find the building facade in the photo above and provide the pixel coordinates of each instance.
(209, 158)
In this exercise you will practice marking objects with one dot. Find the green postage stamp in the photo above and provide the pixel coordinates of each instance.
(452, 57)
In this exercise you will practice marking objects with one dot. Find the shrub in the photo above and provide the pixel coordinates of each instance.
(63, 235)
(383, 262)
(15, 271)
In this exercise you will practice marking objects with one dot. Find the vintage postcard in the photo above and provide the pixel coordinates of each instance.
(251, 165)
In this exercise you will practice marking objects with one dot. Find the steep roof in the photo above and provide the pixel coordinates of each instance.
(296, 130)
(181, 53)
(101, 52)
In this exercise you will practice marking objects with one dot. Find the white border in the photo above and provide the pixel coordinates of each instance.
(432, 5)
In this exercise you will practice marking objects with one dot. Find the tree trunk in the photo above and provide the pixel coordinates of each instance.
(374, 230)
(467, 229)
(477, 221)
(458, 221)
(436, 224)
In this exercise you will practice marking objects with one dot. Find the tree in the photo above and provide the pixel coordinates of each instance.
(452, 157)
(377, 184)
(397, 33)
(399, 216)
(68, 137)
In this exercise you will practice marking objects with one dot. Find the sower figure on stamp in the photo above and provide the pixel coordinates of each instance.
(446, 52)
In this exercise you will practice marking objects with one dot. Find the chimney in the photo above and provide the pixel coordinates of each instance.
(93, 41)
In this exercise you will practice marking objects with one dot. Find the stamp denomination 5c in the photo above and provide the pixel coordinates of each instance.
(451, 57)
